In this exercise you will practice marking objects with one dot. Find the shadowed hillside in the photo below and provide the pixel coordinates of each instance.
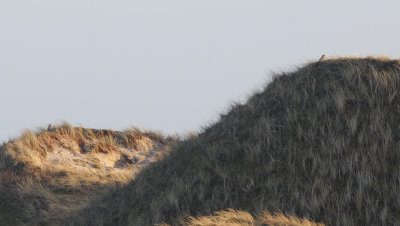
(320, 142)
(51, 174)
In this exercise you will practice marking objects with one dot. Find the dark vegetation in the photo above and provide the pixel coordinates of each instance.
(320, 142)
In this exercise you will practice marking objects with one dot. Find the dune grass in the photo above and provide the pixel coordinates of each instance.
(320, 143)
(49, 175)
(241, 218)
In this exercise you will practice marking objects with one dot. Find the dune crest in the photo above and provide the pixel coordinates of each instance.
(50, 174)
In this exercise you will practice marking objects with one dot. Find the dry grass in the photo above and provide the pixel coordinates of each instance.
(232, 217)
(320, 142)
(49, 175)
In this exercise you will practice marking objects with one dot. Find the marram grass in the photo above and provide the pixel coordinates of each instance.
(318, 143)
(321, 142)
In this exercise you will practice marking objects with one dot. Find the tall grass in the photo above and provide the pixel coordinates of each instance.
(320, 143)
(35, 190)
(241, 218)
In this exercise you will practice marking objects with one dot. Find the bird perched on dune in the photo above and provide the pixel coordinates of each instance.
(51, 128)
(323, 57)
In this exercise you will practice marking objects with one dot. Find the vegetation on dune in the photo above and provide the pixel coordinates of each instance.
(317, 143)
(320, 142)
(241, 218)
(48, 175)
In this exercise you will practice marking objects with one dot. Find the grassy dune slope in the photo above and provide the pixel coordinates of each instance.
(235, 218)
(50, 175)
(321, 142)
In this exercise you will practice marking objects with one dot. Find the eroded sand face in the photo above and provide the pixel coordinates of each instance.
(120, 159)
(67, 168)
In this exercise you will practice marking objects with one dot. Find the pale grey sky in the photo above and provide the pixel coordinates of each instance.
(167, 65)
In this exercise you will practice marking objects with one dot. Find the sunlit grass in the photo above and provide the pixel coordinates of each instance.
(49, 175)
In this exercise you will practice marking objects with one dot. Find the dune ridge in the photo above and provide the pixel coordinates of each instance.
(48, 175)
(318, 145)
(319, 142)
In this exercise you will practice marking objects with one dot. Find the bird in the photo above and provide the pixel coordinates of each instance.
(51, 128)
(323, 57)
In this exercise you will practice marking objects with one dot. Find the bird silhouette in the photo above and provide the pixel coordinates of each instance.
(323, 57)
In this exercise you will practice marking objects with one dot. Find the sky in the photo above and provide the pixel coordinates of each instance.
(171, 66)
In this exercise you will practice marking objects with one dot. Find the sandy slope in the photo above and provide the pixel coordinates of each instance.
(48, 175)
